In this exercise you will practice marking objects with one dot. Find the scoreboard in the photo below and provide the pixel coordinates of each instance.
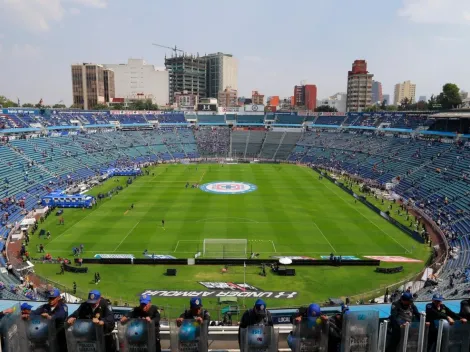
(207, 107)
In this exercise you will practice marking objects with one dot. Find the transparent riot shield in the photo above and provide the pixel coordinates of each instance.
(137, 335)
(311, 335)
(414, 336)
(360, 331)
(258, 338)
(190, 336)
(13, 331)
(84, 335)
(453, 338)
(40, 334)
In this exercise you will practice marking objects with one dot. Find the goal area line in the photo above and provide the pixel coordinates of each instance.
(198, 245)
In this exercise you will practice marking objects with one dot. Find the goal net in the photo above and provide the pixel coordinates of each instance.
(225, 248)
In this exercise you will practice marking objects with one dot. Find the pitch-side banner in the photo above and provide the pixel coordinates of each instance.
(223, 293)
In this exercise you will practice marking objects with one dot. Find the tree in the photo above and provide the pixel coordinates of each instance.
(433, 104)
(383, 106)
(392, 108)
(59, 106)
(325, 108)
(118, 106)
(75, 106)
(405, 104)
(450, 97)
(371, 108)
(7, 103)
(28, 105)
(100, 107)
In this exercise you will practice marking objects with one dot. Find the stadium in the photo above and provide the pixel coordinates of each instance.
(328, 208)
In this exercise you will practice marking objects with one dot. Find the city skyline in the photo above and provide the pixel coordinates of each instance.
(39, 42)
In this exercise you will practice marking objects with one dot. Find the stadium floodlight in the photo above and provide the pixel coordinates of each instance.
(225, 248)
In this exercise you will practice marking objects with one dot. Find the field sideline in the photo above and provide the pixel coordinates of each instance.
(291, 213)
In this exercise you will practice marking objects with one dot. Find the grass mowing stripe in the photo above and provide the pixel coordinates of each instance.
(119, 245)
(373, 223)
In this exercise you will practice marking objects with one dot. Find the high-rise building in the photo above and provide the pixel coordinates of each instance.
(273, 100)
(88, 85)
(138, 80)
(359, 92)
(222, 72)
(376, 92)
(404, 90)
(386, 99)
(256, 98)
(228, 98)
(306, 96)
(109, 85)
(186, 73)
(422, 98)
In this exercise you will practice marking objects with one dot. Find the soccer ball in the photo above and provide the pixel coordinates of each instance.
(188, 331)
(136, 331)
(38, 330)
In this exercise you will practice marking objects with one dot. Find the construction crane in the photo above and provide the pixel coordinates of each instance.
(175, 49)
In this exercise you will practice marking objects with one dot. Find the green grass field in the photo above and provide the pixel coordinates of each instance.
(291, 213)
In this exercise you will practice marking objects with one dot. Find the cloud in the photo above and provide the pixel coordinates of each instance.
(35, 14)
(2, 35)
(27, 51)
(100, 4)
(252, 58)
(436, 11)
(74, 11)
(39, 15)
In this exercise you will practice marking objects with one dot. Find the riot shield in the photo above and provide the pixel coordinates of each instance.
(311, 335)
(258, 338)
(414, 336)
(84, 335)
(13, 332)
(40, 334)
(190, 336)
(137, 335)
(360, 331)
(455, 338)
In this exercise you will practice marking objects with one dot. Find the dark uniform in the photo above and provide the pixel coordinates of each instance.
(258, 315)
(105, 313)
(335, 329)
(433, 312)
(401, 312)
(195, 311)
(465, 309)
(154, 314)
(59, 315)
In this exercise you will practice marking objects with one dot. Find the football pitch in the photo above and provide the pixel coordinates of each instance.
(290, 213)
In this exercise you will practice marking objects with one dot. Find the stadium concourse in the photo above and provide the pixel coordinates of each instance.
(425, 164)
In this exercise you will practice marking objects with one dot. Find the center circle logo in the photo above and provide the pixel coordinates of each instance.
(228, 187)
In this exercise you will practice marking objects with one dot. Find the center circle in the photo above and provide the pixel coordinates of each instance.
(228, 187)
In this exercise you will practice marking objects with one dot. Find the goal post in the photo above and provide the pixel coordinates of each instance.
(224, 248)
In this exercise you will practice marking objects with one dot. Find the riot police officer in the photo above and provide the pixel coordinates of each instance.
(25, 310)
(55, 309)
(195, 311)
(258, 315)
(336, 329)
(100, 311)
(148, 311)
(437, 311)
(402, 313)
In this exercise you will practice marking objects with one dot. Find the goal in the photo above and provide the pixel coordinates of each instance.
(225, 248)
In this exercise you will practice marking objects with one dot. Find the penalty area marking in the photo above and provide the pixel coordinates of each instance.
(119, 245)
(178, 243)
(326, 239)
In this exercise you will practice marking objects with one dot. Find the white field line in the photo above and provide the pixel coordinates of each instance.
(119, 245)
(355, 208)
(326, 239)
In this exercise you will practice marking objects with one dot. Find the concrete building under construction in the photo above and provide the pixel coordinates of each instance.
(186, 73)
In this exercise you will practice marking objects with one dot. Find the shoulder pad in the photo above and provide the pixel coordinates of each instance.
(429, 305)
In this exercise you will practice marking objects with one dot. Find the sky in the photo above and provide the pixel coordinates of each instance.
(278, 43)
